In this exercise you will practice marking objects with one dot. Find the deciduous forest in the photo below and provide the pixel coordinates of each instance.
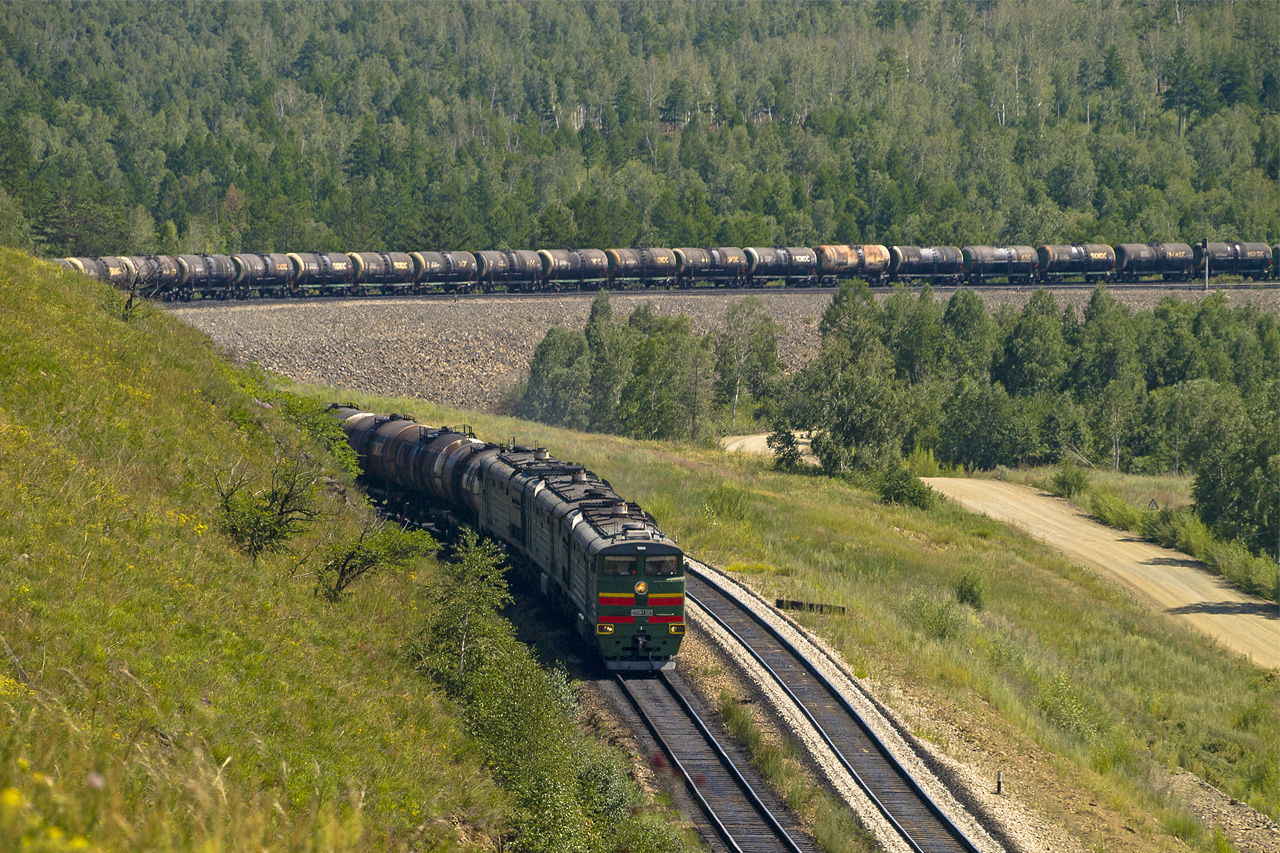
(203, 127)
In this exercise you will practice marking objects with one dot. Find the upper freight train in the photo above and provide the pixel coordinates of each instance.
(239, 276)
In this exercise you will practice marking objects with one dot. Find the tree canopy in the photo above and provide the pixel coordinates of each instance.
(222, 126)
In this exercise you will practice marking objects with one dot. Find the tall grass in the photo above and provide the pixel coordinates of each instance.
(159, 688)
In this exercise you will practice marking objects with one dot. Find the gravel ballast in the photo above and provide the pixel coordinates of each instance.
(466, 353)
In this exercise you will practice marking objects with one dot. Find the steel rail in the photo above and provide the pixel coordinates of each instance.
(769, 822)
(886, 755)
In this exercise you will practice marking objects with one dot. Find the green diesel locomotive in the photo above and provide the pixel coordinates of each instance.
(600, 559)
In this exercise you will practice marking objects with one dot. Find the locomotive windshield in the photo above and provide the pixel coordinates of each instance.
(618, 566)
(661, 567)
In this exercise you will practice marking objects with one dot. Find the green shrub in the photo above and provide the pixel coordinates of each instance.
(936, 617)
(311, 416)
(969, 590)
(900, 486)
(378, 546)
(1183, 530)
(1069, 481)
(786, 450)
(1068, 707)
(922, 463)
(1113, 510)
(264, 519)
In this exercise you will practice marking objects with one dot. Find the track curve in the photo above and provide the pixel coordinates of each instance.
(922, 825)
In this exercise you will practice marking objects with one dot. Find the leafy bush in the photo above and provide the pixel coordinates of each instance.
(969, 590)
(379, 546)
(923, 463)
(1069, 481)
(1182, 529)
(1113, 510)
(786, 450)
(464, 630)
(310, 416)
(264, 519)
(900, 486)
(1068, 707)
(936, 617)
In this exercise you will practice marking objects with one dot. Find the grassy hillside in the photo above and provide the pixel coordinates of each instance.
(1084, 699)
(160, 689)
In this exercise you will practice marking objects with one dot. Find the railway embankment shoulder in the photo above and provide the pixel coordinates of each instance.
(467, 353)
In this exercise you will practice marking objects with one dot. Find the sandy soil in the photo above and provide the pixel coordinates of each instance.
(1179, 586)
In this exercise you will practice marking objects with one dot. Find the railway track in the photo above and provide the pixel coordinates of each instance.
(921, 824)
(732, 291)
(733, 803)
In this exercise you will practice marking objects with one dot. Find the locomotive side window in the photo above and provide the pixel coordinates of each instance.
(661, 567)
(619, 566)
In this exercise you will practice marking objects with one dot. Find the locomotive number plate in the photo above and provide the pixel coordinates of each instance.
(641, 612)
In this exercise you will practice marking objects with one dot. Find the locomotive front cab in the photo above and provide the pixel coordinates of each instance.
(639, 605)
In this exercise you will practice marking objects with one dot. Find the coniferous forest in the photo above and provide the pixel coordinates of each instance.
(165, 127)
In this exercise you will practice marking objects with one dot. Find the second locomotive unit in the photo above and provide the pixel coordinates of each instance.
(601, 560)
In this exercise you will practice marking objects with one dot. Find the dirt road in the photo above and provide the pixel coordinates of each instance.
(1171, 581)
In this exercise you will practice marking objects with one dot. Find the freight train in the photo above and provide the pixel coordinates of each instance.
(599, 559)
(296, 274)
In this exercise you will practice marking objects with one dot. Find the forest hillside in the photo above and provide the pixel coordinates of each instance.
(203, 127)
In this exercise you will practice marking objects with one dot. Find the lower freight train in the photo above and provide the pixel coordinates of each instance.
(295, 274)
(599, 559)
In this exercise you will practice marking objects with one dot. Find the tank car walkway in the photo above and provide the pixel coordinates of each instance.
(1174, 583)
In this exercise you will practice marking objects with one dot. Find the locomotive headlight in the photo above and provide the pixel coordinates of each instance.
(677, 627)
(641, 588)
(605, 629)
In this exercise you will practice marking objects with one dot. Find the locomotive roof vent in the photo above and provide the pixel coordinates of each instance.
(540, 454)
(620, 509)
(580, 476)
